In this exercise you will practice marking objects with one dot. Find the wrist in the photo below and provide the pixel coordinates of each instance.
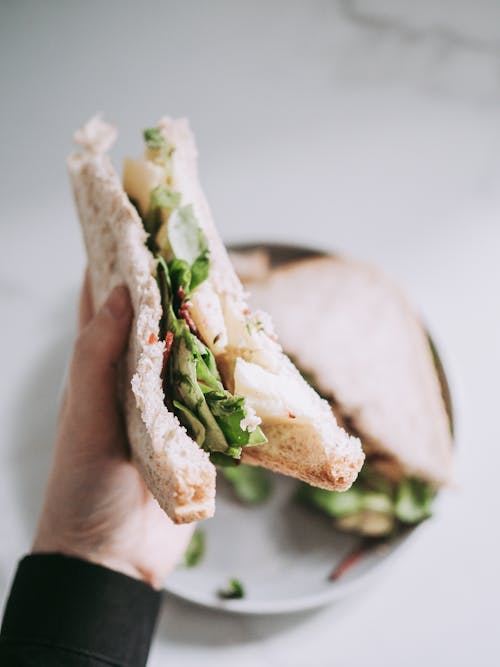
(96, 556)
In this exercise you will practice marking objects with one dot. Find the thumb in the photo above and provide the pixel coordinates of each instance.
(97, 351)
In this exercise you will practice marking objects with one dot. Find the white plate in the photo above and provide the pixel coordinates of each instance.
(282, 553)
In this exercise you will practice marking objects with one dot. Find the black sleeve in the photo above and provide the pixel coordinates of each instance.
(67, 611)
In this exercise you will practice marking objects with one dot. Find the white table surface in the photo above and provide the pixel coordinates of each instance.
(371, 128)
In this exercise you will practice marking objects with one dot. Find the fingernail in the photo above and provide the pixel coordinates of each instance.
(118, 302)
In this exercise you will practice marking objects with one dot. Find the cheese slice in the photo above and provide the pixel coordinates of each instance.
(275, 398)
(140, 176)
(206, 312)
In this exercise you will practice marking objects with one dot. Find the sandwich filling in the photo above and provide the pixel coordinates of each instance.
(374, 506)
(382, 501)
(218, 420)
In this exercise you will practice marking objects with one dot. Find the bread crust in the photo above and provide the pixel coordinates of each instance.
(300, 452)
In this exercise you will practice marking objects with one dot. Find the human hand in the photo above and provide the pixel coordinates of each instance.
(97, 506)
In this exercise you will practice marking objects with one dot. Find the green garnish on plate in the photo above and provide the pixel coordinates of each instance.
(233, 591)
(196, 549)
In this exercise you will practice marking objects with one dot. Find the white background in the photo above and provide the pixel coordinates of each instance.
(371, 128)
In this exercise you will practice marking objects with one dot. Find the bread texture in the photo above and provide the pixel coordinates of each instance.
(302, 452)
(178, 473)
(368, 351)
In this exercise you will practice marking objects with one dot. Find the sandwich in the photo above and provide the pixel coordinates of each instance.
(205, 381)
(370, 357)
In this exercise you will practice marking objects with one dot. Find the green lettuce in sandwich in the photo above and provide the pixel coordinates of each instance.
(220, 422)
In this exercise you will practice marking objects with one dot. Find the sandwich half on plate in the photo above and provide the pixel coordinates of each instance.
(370, 357)
(206, 381)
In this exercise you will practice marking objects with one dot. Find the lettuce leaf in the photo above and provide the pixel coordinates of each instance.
(331, 503)
(229, 411)
(196, 549)
(160, 198)
(233, 591)
(188, 276)
(211, 414)
(154, 138)
(193, 425)
(413, 501)
(409, 501)
(199, 270)
(224, 460)
(186, 238)
(180, 276)
(185, 389)
(163, 197)
(250, 484)
(159, 148)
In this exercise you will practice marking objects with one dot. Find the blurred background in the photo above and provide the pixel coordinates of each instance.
(366, 127)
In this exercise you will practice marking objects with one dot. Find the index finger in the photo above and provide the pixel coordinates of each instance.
(86, 309)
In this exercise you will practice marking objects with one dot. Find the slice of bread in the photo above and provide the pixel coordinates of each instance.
(366, 349)
(179, 474)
